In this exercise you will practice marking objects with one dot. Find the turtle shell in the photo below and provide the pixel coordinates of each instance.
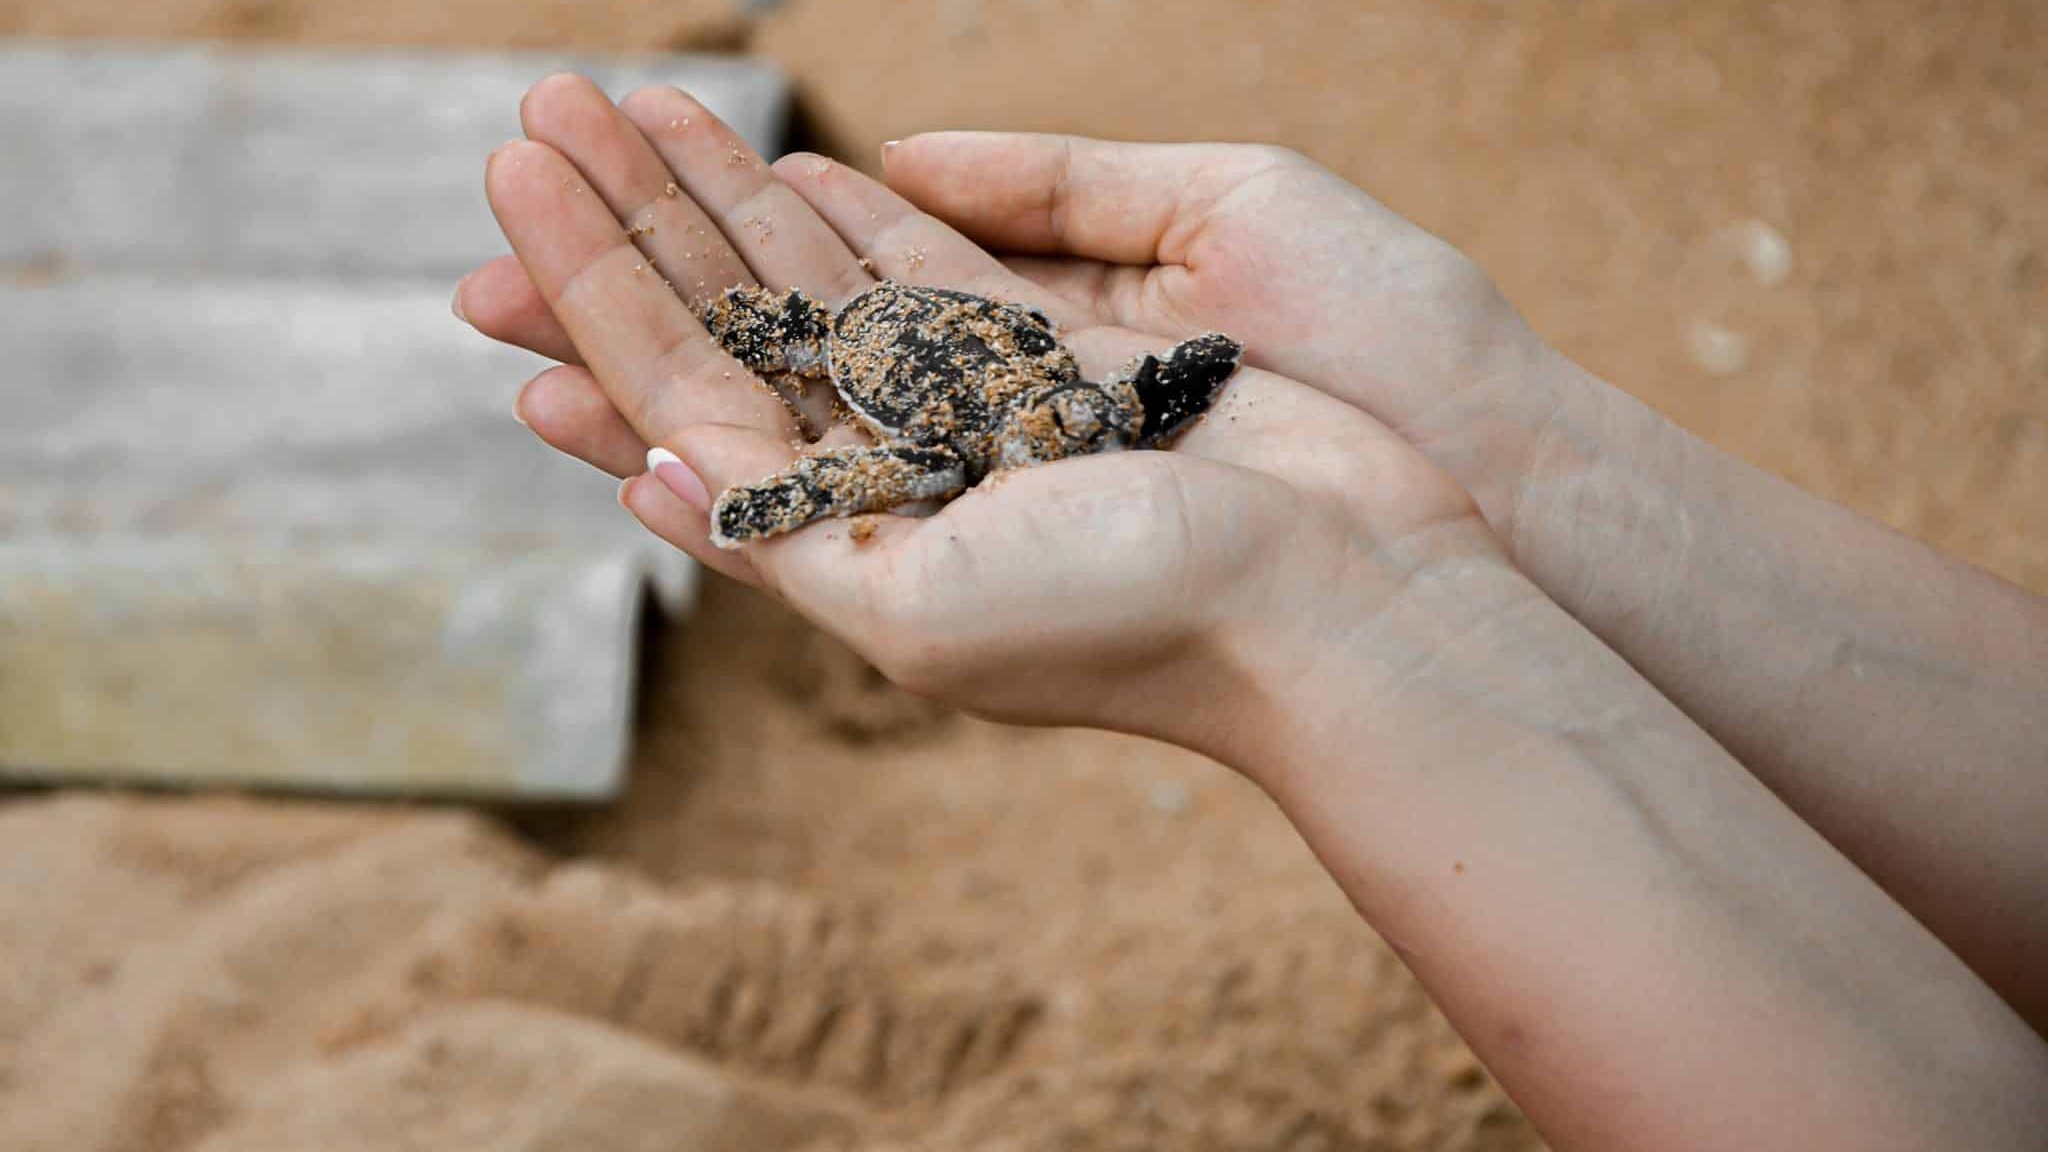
(938, 368)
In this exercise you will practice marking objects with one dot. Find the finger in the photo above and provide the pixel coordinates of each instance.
(500, 301)
(567, 408)
(1111, 293)
(1024, 192)
(669, 517)
(759, 222)
(771, 228)
(662, 370)
(575, 117)
(904, 243)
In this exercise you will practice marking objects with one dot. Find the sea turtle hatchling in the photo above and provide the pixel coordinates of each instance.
(953, 386)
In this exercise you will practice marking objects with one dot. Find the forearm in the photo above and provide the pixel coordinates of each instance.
(1644, 945)
(1895, 698)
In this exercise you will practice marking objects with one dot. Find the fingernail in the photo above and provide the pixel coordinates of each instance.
(623, 486)
(677, 477)
(456, 305)
(889, 146)
(519, 401)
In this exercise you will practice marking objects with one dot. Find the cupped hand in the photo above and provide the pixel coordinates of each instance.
(1325, 284)
(1329, 286)
(1144, 591)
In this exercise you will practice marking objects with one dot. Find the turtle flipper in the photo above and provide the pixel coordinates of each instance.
(1175, 388)
(771, 331)
(838, 482)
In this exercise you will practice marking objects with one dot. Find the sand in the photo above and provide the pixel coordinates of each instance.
(830, 916)
(846, 921)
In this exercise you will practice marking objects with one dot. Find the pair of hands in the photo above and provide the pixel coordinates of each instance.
(1301, 589)
(1146, 591)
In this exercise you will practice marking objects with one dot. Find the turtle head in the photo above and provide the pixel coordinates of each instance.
(1070, 419)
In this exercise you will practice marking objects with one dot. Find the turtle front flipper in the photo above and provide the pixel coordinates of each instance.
(1175, 388)
(839, 482)
(771, 331)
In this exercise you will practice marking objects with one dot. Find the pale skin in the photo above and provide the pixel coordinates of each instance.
(1487, 630)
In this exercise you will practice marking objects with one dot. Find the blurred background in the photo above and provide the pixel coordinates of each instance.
(825, 915)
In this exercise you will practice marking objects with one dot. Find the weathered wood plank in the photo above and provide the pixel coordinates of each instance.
(259, 405)
(264, 516)
(288, 532)
(287, 161)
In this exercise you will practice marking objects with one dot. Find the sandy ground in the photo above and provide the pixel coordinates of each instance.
(831, 917)
(827, 917)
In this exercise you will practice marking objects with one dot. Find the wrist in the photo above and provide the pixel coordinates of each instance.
(1537, 440)
(1600, 483)
(1385, 643)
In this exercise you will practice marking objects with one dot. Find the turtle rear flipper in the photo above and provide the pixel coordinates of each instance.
(839, 482)
(1175, 388)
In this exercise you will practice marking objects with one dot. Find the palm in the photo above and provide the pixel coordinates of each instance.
(1098, 562)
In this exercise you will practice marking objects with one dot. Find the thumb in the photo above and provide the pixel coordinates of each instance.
(1034, 193)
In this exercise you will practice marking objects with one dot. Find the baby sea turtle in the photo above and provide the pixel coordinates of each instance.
(953, 386)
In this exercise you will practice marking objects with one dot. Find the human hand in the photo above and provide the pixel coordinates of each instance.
(1325, 284)
(1135, 591)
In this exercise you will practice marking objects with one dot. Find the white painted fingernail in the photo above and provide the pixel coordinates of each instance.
(678, 478)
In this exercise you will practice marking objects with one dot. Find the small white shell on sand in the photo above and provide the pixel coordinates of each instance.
(1721, 351)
